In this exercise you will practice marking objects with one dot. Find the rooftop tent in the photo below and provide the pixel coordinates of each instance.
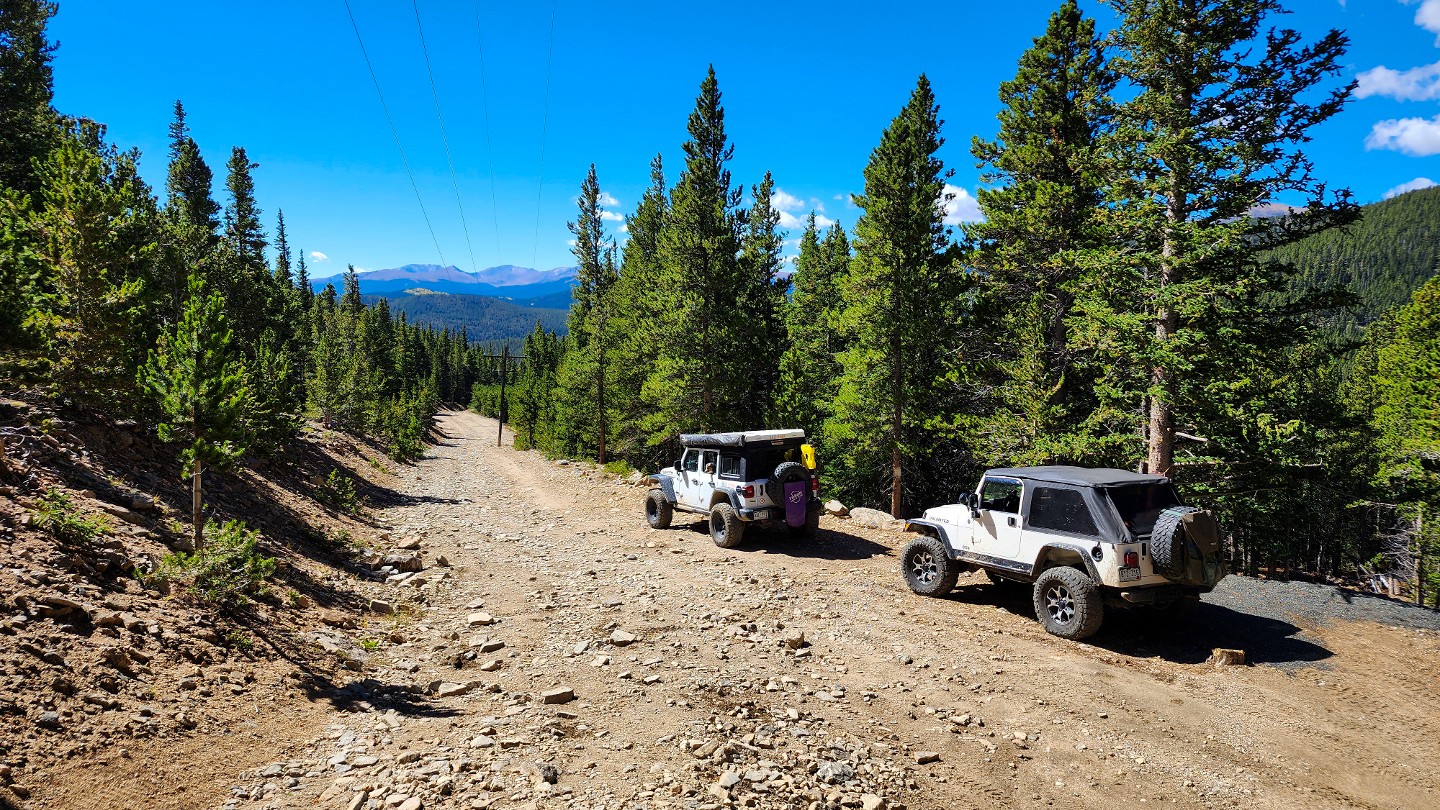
(1079, 476)
(749, 438)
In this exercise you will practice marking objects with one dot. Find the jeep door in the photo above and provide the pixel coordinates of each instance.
(705, 479)
(687, 489)
(997, 531)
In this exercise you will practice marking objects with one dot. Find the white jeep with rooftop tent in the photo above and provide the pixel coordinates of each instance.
(734, 479)
(1080, 538)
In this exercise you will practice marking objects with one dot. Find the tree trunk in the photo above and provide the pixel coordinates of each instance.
(896, 421)
(600, 397)
(195, 506)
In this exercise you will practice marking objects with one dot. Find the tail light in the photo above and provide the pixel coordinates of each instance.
(748, 491)
(815, 485)
(1132, 560)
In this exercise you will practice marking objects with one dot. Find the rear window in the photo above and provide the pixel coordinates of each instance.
(729, 466)
(1060, 510)
(761, 462)
(1140, 505)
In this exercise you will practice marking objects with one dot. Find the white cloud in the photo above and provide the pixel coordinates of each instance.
(1428, 16)
(317, 256)
(608, 201)
(791, 222)
(962, 207)
(1414, 185)
(1416, 84)
(783, 200)
(1271, 210)
(611, 216)
(1416, 137)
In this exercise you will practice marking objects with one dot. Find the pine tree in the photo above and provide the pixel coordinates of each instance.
(1219, 109)
(198, 381)
(284, 281)
(759, 308)
(28, 125)
(583, 377)
(1046, 178)
(93, 239)
(190, 179)
(809, 372)
(1406, 424)
(302, 283)
(699, 380)
(638, 320)
(896, 294)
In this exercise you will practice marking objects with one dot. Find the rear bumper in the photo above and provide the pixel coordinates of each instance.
(1152, 595)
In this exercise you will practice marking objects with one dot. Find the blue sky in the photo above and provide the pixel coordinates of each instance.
(808, 90)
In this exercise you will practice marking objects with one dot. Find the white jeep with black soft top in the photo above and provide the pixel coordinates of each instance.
(734, 479)
(1080, 538)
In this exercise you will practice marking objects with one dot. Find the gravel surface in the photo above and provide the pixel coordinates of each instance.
(1310, 604)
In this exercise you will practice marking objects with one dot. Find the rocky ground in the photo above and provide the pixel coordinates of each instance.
(553, 651)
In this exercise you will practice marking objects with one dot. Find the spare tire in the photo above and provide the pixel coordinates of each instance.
(785, 473)
(1167, 542)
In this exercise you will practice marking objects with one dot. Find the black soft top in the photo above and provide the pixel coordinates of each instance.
(1079, 476)
(749, 438)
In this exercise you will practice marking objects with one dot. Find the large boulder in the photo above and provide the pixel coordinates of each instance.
(873, 518)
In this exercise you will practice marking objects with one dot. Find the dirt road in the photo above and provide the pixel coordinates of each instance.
(892, 700)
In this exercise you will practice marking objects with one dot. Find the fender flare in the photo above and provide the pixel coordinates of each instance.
(666, 483)
(940, 530)
(1084, 554)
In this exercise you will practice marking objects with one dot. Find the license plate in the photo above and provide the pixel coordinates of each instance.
(1129, 574)
(762, 514)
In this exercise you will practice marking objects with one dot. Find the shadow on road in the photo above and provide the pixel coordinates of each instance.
(1142, 634)
(402, 699)
(827, 545)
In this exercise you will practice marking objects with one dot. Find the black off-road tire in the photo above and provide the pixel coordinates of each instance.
(788, 471)
(1067, 603)
(1003, 583)
(726, 527)
(811, 527)
(927, 567)
(657, 510)
(1167, 542)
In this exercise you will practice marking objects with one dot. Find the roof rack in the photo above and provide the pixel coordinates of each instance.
(748, 438)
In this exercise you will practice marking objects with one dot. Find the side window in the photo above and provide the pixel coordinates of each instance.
(1061, 510)
(692, 460)
(729, 466)
(707, 466)
(1001, 495)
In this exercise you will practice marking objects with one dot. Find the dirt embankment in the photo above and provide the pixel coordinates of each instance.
(561, 654)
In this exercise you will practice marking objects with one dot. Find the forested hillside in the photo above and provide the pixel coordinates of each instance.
(181, 312)
(484, 319)
(1383, 258)
(1117, 305)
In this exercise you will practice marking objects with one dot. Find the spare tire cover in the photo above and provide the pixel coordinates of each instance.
(1167, 541)
(784, 474)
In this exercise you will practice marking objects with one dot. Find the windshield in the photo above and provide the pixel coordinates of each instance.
(1140, 504)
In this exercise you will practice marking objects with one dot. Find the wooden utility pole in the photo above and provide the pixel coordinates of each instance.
(504, 358)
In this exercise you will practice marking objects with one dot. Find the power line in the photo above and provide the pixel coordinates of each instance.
(394, 133)
(544, 129)
(445, 139)
(489, 144)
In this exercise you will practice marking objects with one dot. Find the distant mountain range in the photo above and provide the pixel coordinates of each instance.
(546, 289)
(485, 319)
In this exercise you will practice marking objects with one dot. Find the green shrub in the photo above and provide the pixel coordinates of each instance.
(619, 468)
(339, 492)
(58, 516)
(226, 571)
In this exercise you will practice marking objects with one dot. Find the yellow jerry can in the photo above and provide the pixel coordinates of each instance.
(807, 455)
